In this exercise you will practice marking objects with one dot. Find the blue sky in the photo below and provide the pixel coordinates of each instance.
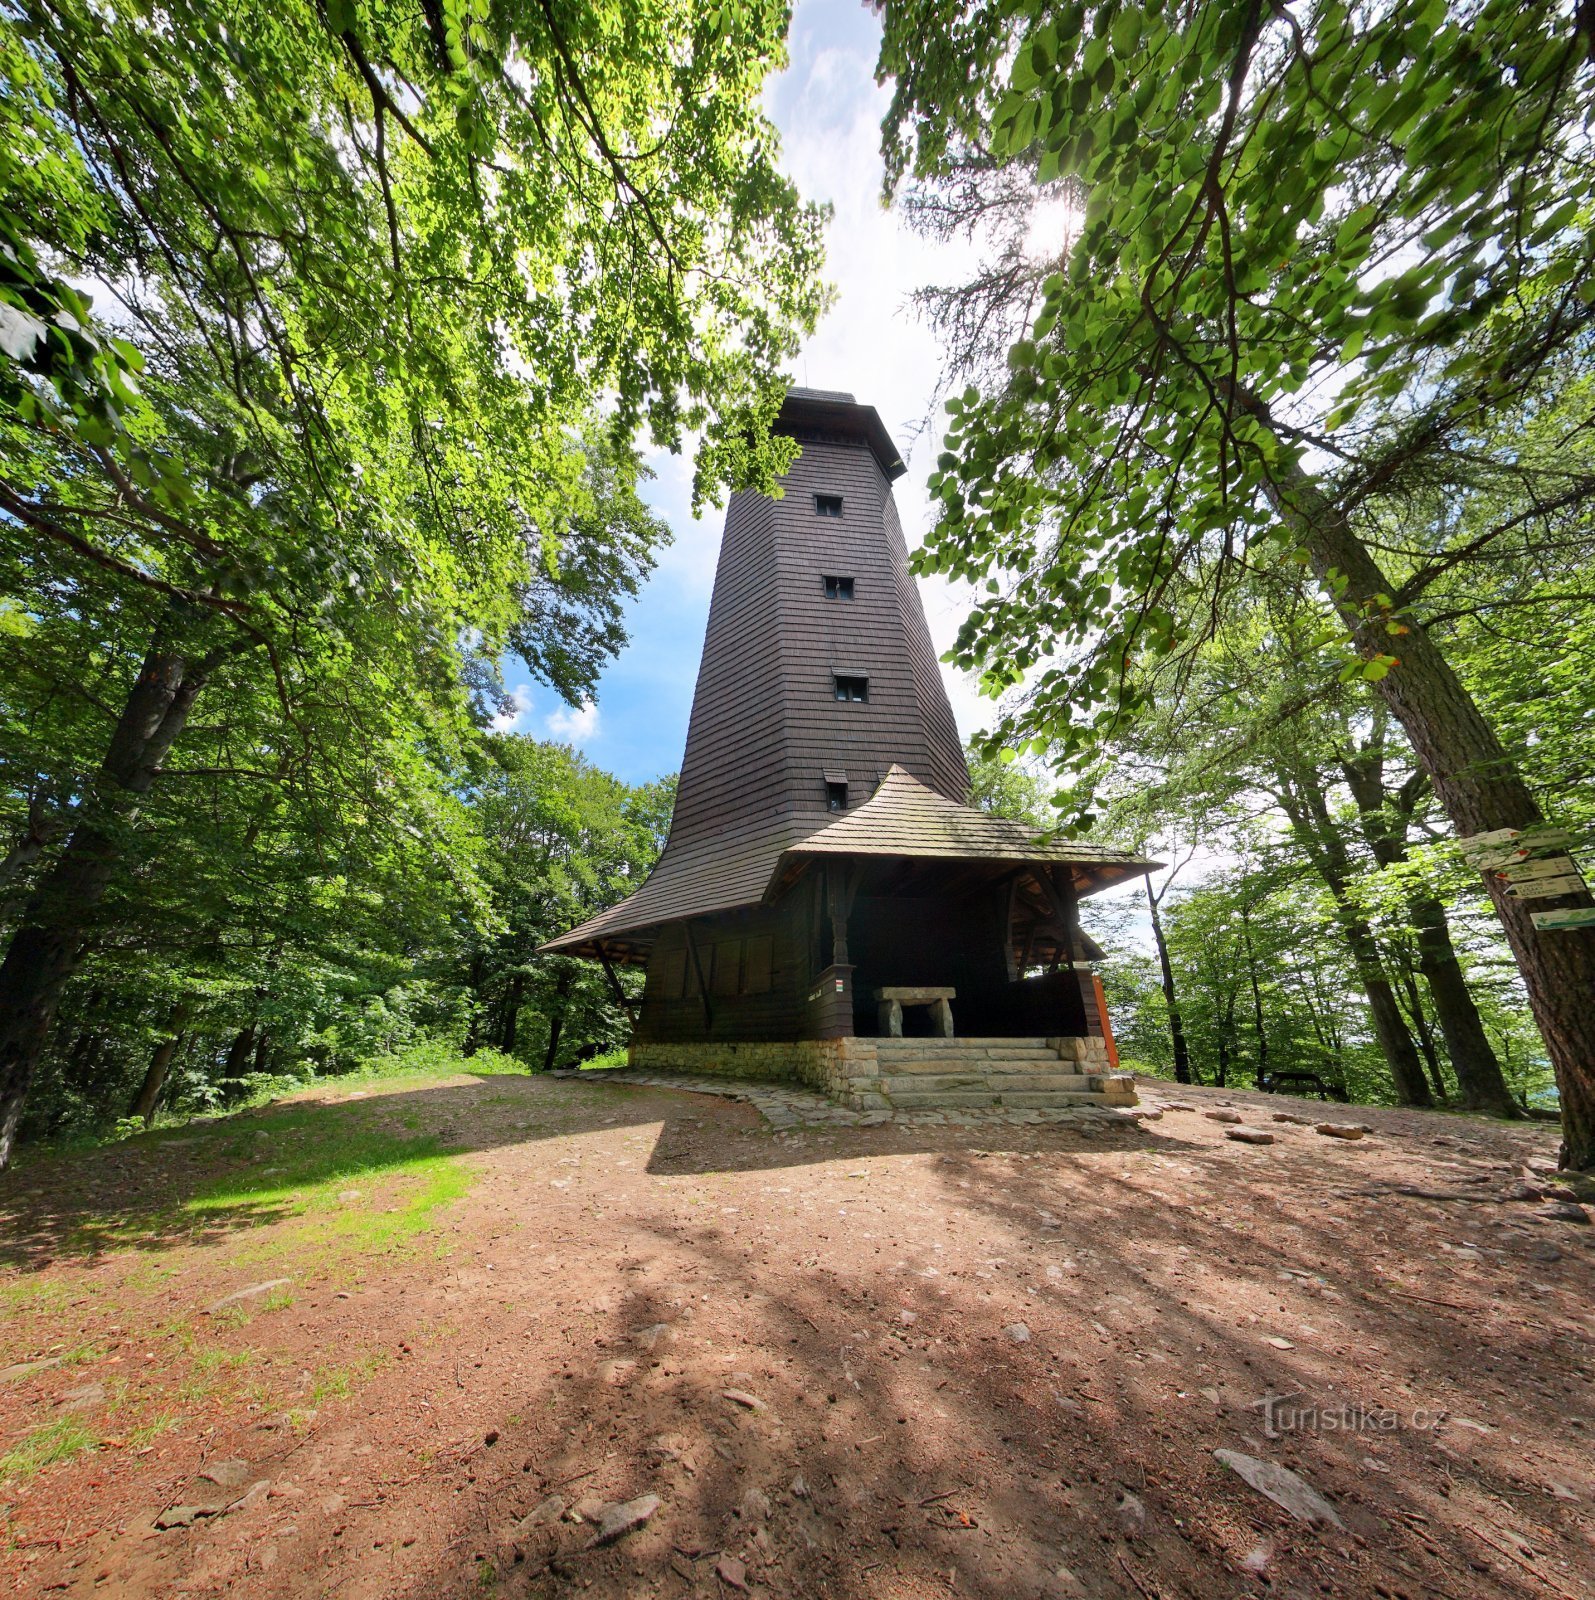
(828, 109)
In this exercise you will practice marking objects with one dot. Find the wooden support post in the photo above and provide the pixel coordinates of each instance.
(1010, 899)
(622, 999)
(697, 969)
(1065, 903)
(841, 885)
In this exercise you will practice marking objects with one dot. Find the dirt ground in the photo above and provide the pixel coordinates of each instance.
(848, 1362)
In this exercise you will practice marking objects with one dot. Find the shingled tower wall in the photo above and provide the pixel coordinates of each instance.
(766, 726)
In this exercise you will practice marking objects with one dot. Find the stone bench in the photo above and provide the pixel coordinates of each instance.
(891, 1001)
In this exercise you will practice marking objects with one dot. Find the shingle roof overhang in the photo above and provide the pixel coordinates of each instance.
(829, 413)
(903, 821)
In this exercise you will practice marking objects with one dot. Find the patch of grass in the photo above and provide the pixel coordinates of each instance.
(330, 1383)
(148, 1432)
(25, 1296)
(44, 1447)
(318, 1152)
(208, 1362)
(210, 1373)
(610, 1058)
(337, 1383)
(429, 1059)
(80, 1353)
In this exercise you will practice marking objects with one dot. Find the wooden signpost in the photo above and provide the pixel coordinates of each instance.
(1535, 866)
(1578, 917)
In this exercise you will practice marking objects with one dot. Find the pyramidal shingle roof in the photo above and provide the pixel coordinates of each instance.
(904, 818)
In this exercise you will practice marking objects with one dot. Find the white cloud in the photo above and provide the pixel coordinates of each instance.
(515, 719)
(575, 725)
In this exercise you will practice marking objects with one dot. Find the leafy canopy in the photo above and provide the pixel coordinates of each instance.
(1315, 238)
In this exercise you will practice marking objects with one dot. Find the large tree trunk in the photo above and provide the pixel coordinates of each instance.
(238, 1057)
(1182, 1057)
(1421, 1031)
(1479, 787)
(47, 945)
(556, 1021)
(1481, 1085)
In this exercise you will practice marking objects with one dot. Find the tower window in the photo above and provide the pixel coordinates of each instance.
(827, 505)
(836, 797)
(838, 588)
(851, 688)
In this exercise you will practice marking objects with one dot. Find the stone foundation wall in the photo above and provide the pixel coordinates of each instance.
(848, 1069)
(845, 1069)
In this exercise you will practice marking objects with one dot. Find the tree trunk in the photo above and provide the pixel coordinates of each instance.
(1182, 1058)
(243, 1047)
(512, 1011)
(1480, 1083)
(474, 1023)
(1226, 1024)
(149, 1094)
(1307, 807)
(48, 944)
(1257, 1002)
(556, 1025)
(1480, 789)
(1422, 1032)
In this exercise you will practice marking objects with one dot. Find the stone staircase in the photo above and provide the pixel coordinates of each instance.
(1022, 1074)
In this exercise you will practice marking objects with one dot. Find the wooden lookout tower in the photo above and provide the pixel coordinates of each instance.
(827, 907)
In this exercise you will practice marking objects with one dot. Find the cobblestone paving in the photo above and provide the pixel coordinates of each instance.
(785, 1105)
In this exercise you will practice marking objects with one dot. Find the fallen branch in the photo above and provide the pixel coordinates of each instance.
(1527, 1566)
(1451, 1305)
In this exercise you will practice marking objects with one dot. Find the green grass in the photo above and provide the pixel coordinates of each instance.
(148, 1432)
(44, 1447)
(610, 1058)
(25, 1296)
(313, 1154)
(426, 1060)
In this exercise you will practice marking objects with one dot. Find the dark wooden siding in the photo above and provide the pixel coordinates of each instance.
(758, 968)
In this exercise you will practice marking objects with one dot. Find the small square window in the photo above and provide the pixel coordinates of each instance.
(851, 688)
(836, 797)
(827, 505)
(838, 588)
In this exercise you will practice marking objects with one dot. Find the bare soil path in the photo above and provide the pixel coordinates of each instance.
(887, 1361)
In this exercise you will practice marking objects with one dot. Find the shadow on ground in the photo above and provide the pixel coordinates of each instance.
(206, 1181)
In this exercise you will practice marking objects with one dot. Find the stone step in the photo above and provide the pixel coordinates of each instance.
(952, 1100)
(954, 1060)
(962, 1043)
(1021, 1101)
(1003, 1083)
